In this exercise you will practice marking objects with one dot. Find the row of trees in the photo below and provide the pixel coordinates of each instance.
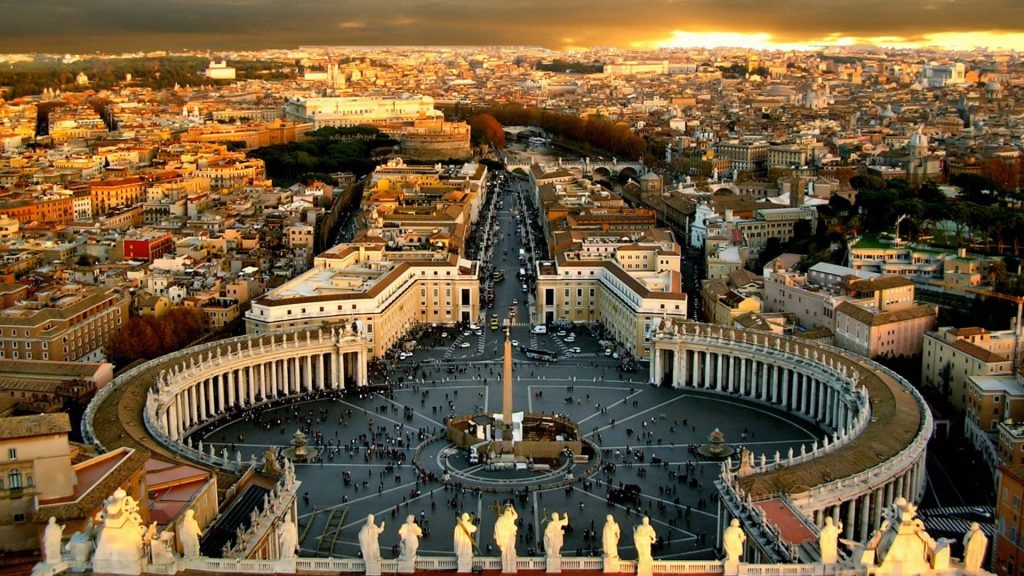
(485, 128)
(147, 337)
(30, 78)
(601, 134)
(559, 65)
(982, 208)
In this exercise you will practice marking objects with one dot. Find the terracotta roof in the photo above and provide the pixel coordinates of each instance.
(91, 497)
(871, 318)
(37, 425)
(979, 352)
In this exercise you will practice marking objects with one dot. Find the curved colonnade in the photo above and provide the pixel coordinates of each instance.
(197, 386)
(877, 424)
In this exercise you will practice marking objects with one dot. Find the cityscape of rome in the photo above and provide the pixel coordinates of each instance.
(681, 287)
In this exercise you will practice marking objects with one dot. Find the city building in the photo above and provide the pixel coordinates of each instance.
(219, 71)
(385, 292)
(1007, 548)
(951, 356)
(35, 464)
(630, 291)
(62, 323)
(356, 110)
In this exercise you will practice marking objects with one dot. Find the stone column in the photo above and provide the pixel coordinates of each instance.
(865, 516)
(685, 363)
(743, 375)
(221, 407)
(851, 517)
(230, 382)
(308, 379)
(876, 513)
(321, 367)
(719, 365)
(361, 363)
(784, 385)
(173, 427)
(707, 371)
(258, 373)
(655, 372)
(250, 383)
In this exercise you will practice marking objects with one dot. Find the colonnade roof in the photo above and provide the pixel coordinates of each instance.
(896, 417)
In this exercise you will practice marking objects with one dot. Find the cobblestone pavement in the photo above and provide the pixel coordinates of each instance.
(618, 414)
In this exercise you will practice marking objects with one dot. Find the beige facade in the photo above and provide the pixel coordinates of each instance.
(35, 463)
(388, 292)
(879, 333)
(951, 356)
(629, 292)
(66, 323)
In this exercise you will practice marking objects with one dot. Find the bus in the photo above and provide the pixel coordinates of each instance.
(539, 354)
(498, 275)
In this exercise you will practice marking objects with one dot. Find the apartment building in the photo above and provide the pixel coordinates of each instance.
(69, 322)
(1008, 546)
(35, 463)
(629, 292)
(114, 193)
(951, 356)
(384, 292)
(874, 332)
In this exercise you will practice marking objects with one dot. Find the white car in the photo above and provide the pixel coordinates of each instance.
(465, 345)
(474, 327)
(515, 343)
(560, 333)
(575, 350)
(444, 334)
(608, 352)
(404, 355)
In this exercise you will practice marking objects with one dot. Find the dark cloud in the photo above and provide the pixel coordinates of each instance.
(114, 25)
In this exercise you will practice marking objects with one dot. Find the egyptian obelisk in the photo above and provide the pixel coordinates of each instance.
(506, 388)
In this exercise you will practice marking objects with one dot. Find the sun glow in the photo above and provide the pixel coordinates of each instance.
(767, 41)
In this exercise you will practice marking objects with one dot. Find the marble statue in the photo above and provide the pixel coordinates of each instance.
(464, 529)
(975, 543)
(553, 535)
(610, 538)
(828, 541)
(643, 538)
(80, 545)
(733, 540)
(188, 535)
(369, 546)
(52, 535)
(160, 548)
(505, 536)
(270, 461)
(409, 533)
(119, 536)
(287, 540)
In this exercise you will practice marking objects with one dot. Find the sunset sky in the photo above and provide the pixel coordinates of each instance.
(120, 25)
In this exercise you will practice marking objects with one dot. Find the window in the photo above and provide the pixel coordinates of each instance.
(19, 517)
(12, 453)
(14, 478)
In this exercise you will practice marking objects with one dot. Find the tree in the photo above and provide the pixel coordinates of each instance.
(149, 337)
(486, 128)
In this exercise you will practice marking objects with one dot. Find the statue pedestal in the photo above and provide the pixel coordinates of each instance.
(284, 566)
(553, 564)
(406, 566)
(372, 567)
(46, 569)
(465, 564)
(168, 568)
(644, 567)
(611, 565)
(731, 568)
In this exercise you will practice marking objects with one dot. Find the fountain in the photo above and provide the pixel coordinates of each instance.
(716, 448)
(299, 451)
